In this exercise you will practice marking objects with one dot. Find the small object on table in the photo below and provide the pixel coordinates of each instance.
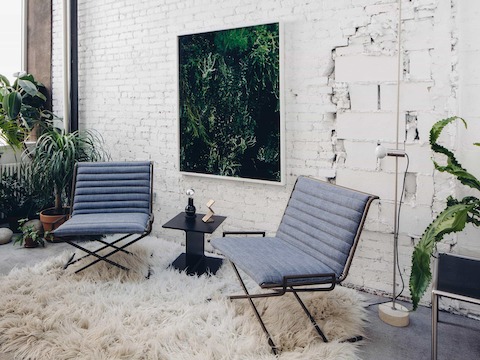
(190, 208)
(209, 215)
(194, 260)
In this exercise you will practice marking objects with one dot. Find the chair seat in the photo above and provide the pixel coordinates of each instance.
(106, 223)
(268, 259)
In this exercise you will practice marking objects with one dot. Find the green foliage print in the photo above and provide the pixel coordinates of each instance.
(229, 103)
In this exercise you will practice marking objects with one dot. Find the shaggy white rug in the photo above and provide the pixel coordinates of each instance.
(105, 313)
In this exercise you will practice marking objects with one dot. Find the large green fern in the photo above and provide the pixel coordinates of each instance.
(452, 219)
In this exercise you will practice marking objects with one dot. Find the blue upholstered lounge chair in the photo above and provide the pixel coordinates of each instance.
(312, 250)
(109, 198)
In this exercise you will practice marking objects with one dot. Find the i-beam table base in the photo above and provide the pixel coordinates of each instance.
(194, 260)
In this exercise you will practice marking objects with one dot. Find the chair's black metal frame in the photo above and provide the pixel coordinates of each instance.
(299, 283)
(111, 244)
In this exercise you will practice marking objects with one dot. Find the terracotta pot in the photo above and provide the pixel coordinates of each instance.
(51, 220)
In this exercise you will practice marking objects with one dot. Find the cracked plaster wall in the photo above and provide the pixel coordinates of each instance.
(340, 70)
(364, 90)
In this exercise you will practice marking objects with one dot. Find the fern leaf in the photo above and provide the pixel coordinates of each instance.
(452, 219)
(453, 166)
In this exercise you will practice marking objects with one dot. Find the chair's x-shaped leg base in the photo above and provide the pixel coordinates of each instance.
(100, 257)
(107, 245)
(277, 292)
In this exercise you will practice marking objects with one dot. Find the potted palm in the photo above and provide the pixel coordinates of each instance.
(53, 159)
(453, 218)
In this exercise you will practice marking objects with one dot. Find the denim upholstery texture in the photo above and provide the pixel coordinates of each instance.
(315, 236)
(110, 198)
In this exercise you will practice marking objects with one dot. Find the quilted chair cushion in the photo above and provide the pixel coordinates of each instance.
(103, 224)
(315, 235)
(267, 259)
(322, 220)
(112, 187)
(110, 198)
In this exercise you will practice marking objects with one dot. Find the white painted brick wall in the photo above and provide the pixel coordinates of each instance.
(364, 97)
(337, 54)
(361, 67)
(375, 126)
(419, 65)
(413, 96)
(358, 155)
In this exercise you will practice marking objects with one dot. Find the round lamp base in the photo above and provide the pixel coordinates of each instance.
(398, 316)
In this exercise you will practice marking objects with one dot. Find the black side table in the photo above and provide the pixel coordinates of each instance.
(193, 260)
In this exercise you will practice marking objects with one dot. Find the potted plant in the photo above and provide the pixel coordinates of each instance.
(14, 199)
(452, 219)
(20, 197)
(30, 237)
(22, 108)
(53, 159)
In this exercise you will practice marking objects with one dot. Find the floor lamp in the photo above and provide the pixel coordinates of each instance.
(393, 313)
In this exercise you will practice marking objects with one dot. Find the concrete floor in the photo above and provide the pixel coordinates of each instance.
(17, 256)
(459, 337)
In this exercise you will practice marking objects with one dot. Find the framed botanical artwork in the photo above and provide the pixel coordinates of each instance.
(230, 104)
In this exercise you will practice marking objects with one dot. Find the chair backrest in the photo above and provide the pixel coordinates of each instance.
(112, 187)
(325, 221)
(455, 274)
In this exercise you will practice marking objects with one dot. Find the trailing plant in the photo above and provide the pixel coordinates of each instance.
(55, 155)
(29, 232)
(22, 106)
(452, 219)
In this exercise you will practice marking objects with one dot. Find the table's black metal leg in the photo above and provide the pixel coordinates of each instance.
(194, 252)
(195, 243)
(196, 260)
